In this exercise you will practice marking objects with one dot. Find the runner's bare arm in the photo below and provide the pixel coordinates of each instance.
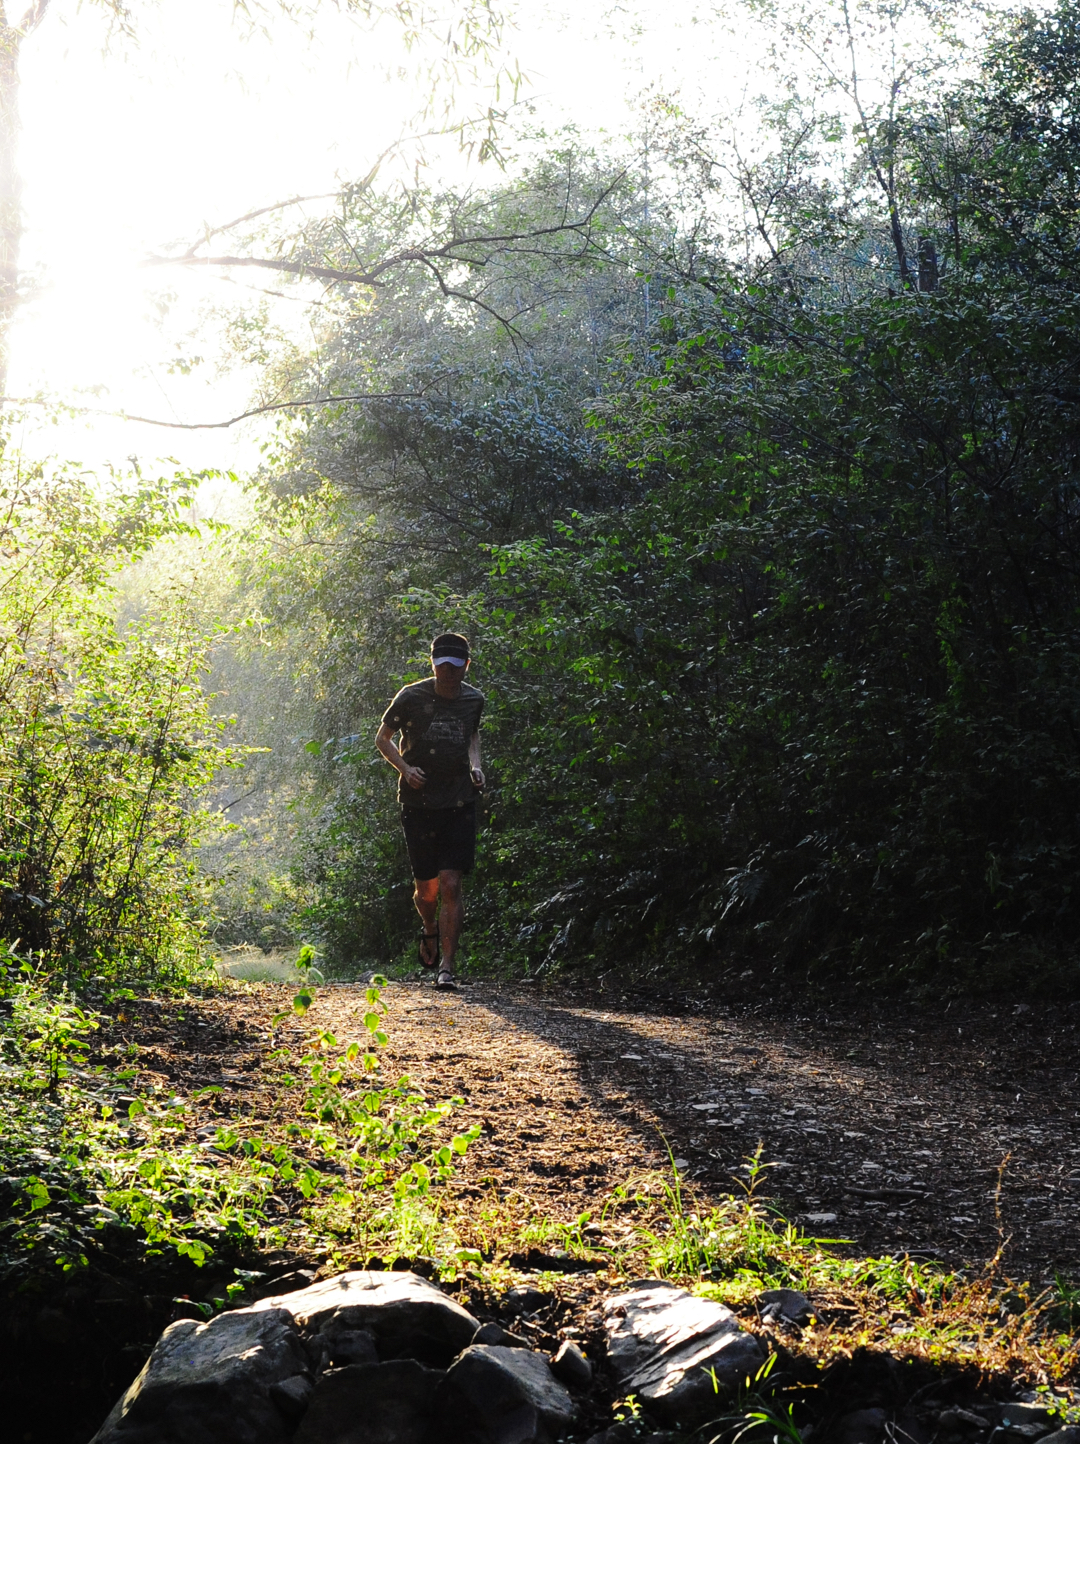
(475, 769)
(384, 744)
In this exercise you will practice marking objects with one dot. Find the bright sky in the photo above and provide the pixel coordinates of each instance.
(130, 150)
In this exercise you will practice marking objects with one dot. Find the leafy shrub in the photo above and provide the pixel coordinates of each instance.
(105, 738)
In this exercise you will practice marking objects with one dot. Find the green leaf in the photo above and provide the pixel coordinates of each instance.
(38, 1193)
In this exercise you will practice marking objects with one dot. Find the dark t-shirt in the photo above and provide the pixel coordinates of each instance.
(435, 736)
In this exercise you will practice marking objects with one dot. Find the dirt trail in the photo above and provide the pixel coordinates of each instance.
(887, 1122)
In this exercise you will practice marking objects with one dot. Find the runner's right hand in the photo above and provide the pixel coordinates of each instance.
(415, 777)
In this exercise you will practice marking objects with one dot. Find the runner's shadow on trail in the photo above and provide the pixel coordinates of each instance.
(864, 1143)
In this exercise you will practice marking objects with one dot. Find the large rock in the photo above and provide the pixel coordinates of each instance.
(212, 1382)
(505, 1395)
(406, 1316)
(1066, 1435)
(674, 1351)
(360, 1358)
(385, 1403)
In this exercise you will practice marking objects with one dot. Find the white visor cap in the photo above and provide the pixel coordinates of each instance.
(458, 662)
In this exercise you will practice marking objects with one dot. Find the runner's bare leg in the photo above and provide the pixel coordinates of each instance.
(451, 915)
(426, 901)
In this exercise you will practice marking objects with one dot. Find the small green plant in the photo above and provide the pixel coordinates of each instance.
(51, 1030)
(682, 1240)
(757, 1412)
(352, 1149)
(305, 960)
(1064, 1304)
(631, 1416)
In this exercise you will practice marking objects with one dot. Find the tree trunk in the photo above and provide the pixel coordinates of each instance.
(11, 225)
(12, 35)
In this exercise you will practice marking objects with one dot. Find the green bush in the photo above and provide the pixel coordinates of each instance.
(106, 737)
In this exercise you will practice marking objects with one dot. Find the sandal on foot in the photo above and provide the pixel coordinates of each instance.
(445, 980)
(429, 938)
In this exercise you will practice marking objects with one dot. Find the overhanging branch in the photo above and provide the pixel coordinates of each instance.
(472, 249)
(218, 425)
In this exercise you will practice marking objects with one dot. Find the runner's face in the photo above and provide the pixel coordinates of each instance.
(450, 675)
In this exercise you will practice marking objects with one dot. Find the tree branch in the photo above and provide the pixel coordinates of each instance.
(33, 17)
(450, 251)
(253, 215)
(221, 425)
(361, 186)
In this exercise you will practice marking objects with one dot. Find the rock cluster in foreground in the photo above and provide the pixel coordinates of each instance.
(378, 1357)
(389, 1357)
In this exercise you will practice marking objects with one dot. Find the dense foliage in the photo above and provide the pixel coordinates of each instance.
(766, 533)
(105, 735)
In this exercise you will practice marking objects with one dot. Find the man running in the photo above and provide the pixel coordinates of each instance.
(438, 763)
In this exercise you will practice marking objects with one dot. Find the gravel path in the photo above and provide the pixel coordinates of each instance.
(886, 1122)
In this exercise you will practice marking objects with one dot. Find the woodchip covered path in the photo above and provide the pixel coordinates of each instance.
(886, 1123)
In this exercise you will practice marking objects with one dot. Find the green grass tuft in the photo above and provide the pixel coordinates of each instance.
(247, 963)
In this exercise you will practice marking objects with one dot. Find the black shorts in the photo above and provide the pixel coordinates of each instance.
(442, 840)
